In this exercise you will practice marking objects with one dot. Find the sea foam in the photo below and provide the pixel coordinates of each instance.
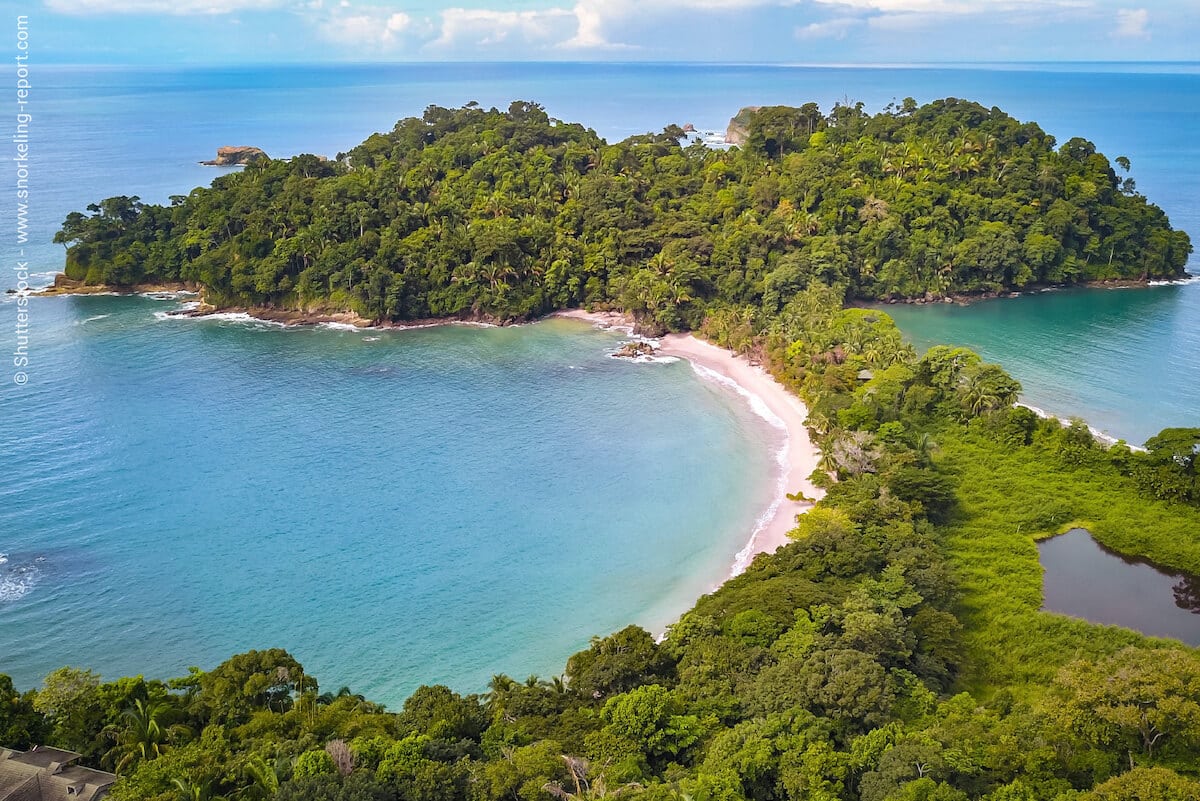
(16, 581)
(1191, 279)
(757, 404)
(223, 317)
(92, 319)
(644, 358)
(333, 326)
(1097, 434)
(172, 295)
(745, 556)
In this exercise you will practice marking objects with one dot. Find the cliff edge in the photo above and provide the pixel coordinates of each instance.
(231, 156)
(739, 127)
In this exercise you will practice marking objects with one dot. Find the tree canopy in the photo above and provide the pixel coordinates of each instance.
(895, 649)
(512, 214)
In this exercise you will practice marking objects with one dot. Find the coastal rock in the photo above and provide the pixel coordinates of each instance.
(739, 127)
(634, 350)
(689, 128)
(64, 285)
(233, 155)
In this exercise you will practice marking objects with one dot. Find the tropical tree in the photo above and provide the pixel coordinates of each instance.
(1141, 699)
(145, 734)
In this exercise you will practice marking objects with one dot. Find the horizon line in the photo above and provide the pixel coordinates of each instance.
(631, 62)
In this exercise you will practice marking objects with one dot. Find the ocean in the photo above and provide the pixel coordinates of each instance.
(1125, 360)
(393, 507)
(440, 505)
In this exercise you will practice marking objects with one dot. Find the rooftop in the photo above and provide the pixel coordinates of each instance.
(48, 774)
(41, 756)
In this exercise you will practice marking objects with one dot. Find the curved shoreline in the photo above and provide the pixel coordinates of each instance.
(797, 458)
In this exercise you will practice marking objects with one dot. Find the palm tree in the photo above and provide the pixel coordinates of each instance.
(924, 447)
(980, 394)
(327, 698)
(498, 205)
(499, 688)
(497, 274)
(661, 264)
(144, 737)
(263, 781)
(195, 791)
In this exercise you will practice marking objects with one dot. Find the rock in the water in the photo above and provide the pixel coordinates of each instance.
(633, 350)
(230, 156)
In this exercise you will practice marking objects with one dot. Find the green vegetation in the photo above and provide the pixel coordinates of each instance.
(893, 651)
(509, 215)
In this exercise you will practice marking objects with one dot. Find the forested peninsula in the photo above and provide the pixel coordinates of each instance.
(510, 215)
(894, 650)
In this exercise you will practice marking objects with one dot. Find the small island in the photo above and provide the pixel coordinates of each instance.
(236, 155)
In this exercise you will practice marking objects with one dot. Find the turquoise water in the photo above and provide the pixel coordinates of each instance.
(432, 505)
(439, 505)
(1126, 360)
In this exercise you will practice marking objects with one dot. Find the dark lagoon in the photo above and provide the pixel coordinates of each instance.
(1084, 579)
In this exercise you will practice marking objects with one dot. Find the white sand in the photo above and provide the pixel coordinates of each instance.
(607, 320)
(801, 455)
(754, 385)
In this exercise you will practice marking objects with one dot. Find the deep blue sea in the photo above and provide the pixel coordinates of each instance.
(441, 505)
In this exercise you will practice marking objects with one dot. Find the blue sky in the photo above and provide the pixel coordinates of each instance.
(787, 31)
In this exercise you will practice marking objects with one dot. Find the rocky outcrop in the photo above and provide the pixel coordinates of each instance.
(231, 156)
(68, 286)
(634, 350)
(739, 127)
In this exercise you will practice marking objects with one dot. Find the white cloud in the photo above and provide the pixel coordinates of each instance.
(483, 27)
(953, 6)
(373, 28)
(1131, 24)
(911, 6)
(531, 29)
(836, 28)
(910, 16)
(176, 7)
(594, 18)
(589, 34)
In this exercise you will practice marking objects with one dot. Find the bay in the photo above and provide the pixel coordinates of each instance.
(440, 505)
(393, 507)
(1125, 360)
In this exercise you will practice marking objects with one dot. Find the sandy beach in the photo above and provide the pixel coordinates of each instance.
(608, 320)
(800, 457)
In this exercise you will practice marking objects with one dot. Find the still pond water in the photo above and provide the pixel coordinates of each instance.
(1084, 579)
